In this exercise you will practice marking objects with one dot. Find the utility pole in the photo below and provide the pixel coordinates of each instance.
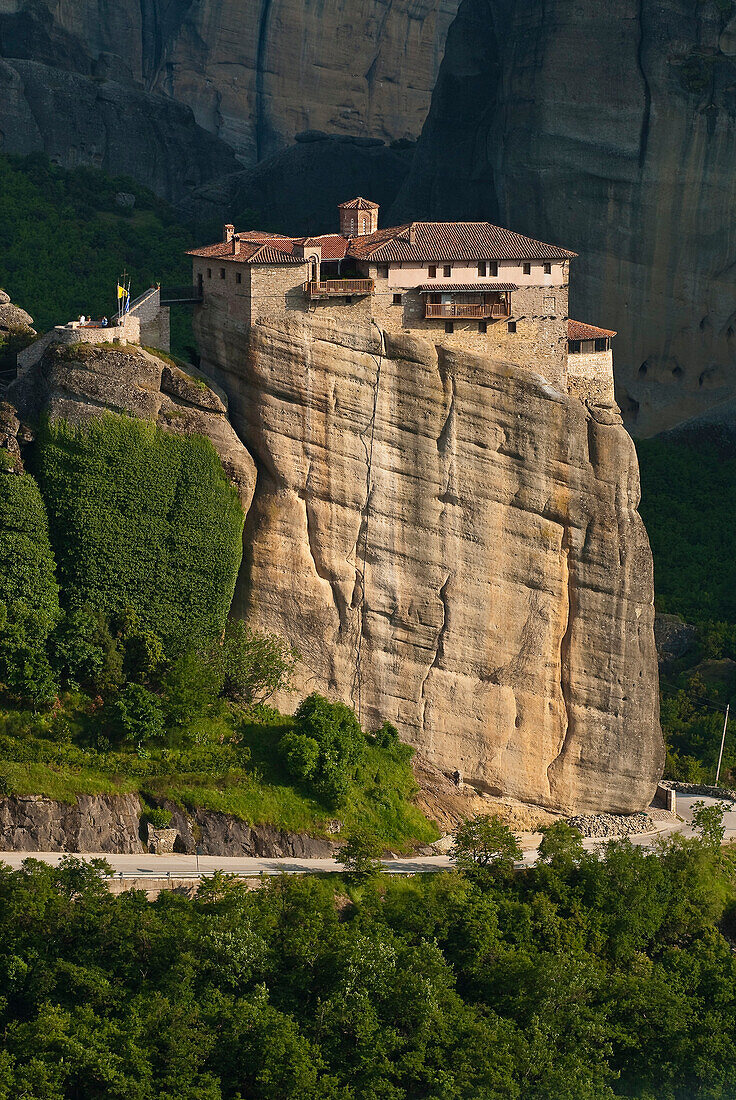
(723, 741)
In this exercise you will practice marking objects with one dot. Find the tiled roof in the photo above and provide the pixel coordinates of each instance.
(359, 204)
(576, 330)
(429, 241)
(464, 288)
(252, 249)
(333, 245)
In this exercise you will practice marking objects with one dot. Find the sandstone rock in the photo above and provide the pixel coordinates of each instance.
(81, 385)
(99, 823)
(13, 318)
(485, 582)
(608, 127)
(672, 637)
(254, 75)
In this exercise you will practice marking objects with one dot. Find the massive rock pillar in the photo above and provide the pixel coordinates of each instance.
(452, 544)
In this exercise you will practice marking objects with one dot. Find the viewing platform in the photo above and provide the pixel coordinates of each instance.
(338, 288)
(479, 311)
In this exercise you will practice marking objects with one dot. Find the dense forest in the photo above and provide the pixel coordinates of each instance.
(688, 498)
(587, 977)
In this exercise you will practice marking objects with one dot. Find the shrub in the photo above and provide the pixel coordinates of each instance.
(144, 520)
(191, 687)
(157, 816)
(300, 754)
(29, 594)
(340, 740)
(254, 666)
(136, 716)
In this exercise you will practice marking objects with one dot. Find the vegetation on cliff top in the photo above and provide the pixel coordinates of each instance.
(120, 671)
(589, 977)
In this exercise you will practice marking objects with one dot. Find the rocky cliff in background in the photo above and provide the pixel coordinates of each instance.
(452, 545)
(159, 88)
(609, 127)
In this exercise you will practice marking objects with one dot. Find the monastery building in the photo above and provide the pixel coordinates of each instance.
(466, 284)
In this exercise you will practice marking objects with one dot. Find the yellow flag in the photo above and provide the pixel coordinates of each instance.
(121, 291)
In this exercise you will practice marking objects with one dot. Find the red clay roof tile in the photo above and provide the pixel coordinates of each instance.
(577, 330)
(430, 241)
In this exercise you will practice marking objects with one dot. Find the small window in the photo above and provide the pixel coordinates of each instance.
(432, 271)
(238, 277)
(482, 326)
(493, 268)
(548, 269)
(574, 346)
(397, 299)
(446, 271)
(222, 272)
(601, 345)
(383, 271)
(527, 269)
(209, 272)
(512, 326)
(199, 279)
(449, 326)
(482, 267)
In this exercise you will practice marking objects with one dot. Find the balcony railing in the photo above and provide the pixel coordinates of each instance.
(481, 311)
(338, 288)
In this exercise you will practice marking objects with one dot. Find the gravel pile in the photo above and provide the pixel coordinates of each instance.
(699, 788)
(602, 825)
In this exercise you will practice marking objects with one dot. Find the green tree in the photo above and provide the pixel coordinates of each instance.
(708, 822)
(485, 845)
(254, 665)
(360, 854)
(136, 716)
(341, 742)
(561, 845)
(29, 594)
(300, 754)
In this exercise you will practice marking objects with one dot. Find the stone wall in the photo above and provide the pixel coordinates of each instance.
(590, 376)
(539, 342)
(155, 326)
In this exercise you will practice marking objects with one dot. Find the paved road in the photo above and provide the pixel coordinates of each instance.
(182, 867)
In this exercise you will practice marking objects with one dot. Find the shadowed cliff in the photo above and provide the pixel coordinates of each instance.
(609, 128)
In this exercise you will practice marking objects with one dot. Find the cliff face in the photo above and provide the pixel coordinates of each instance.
(254, 74)
(609, 127)
(452, 545)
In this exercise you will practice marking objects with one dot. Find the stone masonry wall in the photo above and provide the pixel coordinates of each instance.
(590, 376)
(540, 314)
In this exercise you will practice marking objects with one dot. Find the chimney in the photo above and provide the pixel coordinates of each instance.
(412, 233)
(227, 233)
(236, 242)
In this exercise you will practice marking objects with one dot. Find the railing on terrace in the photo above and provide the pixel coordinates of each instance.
(494, 310)
(331, 288)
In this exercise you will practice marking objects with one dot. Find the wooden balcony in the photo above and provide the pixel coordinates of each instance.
(480, 311)
(338, 288)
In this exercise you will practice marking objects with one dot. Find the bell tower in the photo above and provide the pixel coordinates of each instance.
(358, 217)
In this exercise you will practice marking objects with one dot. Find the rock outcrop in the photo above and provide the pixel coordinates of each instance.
(92, 823)
(79, 383)
(608, 127)
(254, 75)
(453, 545)
(13, 319)
(77, 119)
(111, 824)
